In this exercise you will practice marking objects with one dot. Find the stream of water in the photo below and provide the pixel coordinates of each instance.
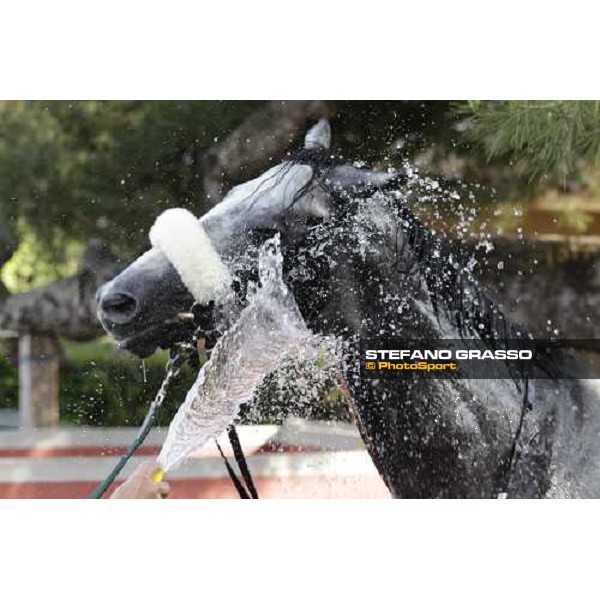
(269, 333)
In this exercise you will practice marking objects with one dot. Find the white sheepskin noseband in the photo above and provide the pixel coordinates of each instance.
(180, 236)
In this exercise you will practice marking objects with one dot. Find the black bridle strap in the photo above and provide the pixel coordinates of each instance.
(239, 486)
(238, 453)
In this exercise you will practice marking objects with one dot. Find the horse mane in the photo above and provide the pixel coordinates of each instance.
(453, 289)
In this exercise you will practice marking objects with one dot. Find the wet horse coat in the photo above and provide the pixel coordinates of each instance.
(360, 265)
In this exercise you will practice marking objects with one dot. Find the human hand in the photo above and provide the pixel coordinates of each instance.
(140, 485)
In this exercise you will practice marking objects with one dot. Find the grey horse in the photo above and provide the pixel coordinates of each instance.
(362, 266)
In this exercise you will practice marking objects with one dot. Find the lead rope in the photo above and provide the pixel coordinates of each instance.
(172, 369)
(514, 454)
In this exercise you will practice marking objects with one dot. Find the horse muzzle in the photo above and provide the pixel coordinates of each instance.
(144, 307)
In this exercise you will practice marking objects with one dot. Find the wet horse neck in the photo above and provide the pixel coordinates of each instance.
(440, 438)
(428, 437)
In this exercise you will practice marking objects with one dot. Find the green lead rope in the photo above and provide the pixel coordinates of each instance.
(247, 492)
(172, 370)
(139, 440)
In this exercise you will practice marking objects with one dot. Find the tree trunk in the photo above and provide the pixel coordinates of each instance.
(39, 359)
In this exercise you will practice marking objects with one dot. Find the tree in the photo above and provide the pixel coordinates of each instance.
(551, 139)
(77, 170)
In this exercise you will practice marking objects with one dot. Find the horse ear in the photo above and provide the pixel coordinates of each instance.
(319, 135)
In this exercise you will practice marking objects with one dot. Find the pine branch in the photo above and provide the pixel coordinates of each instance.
(550, 138)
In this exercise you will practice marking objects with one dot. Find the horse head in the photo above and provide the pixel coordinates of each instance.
(148, 304)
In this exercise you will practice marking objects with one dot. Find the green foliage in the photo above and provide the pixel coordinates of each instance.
(34, 264)
(100, 386)
(75, 170)
(549, 138)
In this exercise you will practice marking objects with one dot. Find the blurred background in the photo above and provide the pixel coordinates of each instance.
(82, 182)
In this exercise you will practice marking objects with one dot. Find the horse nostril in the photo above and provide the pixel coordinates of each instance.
(118, 307)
